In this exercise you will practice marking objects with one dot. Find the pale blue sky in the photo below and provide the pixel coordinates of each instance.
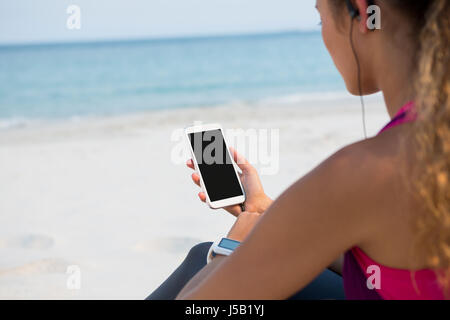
(45, 20)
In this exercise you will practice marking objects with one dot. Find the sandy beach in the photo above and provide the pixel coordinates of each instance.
(104, 194)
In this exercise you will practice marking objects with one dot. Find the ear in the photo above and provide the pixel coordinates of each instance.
(362, 5)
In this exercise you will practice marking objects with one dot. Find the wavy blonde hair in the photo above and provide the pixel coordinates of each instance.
(430, 179)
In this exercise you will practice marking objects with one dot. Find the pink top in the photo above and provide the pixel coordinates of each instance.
(400, 284)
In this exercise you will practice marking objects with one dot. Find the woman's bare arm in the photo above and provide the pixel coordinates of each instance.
(307, 228)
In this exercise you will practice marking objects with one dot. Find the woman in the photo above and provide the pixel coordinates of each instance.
(381, 206)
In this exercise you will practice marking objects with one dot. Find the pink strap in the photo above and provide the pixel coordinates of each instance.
(405, 114)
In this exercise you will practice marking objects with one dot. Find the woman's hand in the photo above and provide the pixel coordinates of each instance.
(243, 225)
(256, 200)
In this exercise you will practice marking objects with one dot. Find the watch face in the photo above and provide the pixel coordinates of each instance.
(229, 244)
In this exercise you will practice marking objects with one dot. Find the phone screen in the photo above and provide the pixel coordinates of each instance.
(215, 164)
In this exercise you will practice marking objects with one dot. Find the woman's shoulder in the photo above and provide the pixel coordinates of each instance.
(367, 174)
(378, 158)
(347, 189)
(359, 182)
(361, 160)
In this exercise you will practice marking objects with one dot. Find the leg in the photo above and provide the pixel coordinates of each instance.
(193, 263)
(328, 285)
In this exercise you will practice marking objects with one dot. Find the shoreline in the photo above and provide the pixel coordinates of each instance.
(158, 117)
(19, 122)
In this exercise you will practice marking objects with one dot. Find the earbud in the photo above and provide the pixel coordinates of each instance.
(354, 13)
(351, 9)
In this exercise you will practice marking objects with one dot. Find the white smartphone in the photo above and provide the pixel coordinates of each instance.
(213, 162)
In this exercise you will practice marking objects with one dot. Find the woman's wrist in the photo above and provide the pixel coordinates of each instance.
(266, 203)
(263, 203)
(243, 225)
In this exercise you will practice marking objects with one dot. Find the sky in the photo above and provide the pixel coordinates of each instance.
(34, 21)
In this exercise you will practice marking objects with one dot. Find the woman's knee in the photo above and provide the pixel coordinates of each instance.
(199, 251)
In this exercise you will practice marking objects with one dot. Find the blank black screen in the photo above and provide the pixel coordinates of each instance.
(215, 165)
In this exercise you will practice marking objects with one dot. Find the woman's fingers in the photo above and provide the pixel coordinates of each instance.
(235, 210)
(240, 160)
(190, 164)
(196, 178)
(202, 196)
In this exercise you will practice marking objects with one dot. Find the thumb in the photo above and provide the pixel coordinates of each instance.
(240, 160)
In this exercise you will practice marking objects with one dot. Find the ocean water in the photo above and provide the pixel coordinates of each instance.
(54, 81)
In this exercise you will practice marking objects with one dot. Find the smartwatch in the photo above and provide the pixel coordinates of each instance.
(222, 246)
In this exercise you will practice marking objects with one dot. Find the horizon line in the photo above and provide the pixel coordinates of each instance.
(158, 38)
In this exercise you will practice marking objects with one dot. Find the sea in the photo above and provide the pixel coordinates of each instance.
(54, 81)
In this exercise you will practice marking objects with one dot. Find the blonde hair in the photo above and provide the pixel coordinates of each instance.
(431, 133)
